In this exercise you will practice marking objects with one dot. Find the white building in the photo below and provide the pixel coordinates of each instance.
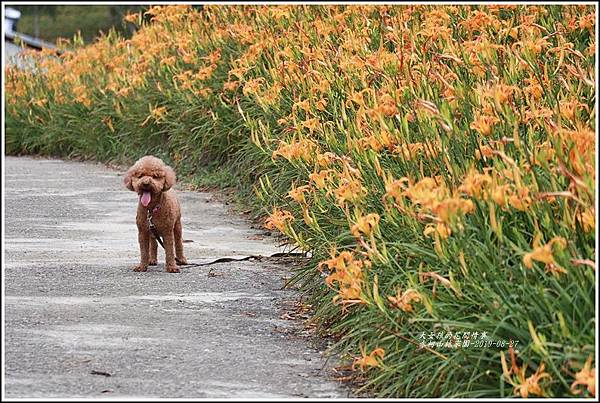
(15, 42)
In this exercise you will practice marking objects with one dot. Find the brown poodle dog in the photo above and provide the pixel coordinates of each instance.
(152, 180)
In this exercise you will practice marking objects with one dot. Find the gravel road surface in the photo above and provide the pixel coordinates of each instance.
(79, 322)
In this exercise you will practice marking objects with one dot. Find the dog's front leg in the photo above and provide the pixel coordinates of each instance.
(153, 251)
(177, 232)
(170, 265)
(144, 241)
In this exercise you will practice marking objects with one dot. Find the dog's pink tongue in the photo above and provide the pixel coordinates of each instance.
(145, 199)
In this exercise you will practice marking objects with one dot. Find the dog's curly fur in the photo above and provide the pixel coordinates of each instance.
(150, 174)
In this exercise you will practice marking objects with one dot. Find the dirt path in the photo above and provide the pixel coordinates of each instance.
(73, 306)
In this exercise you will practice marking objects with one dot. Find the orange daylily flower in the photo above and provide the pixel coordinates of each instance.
(349, 190)
(450, 207)
(442, 229)
(369, 360)
(543, 253)
(499, 194)
(484, 124)
(279, 219)
(502, 93)
(426, 192)
(530, 385)
(301, 149)
(365, 225)
(585, 377)
(484, 151)
(320, 177)
(205, 72)
(230, 85)
(475, 183)
(396, 188)
(588, 219)
(520, 199)
(581, 154)
(169, 61)
(348, 273)
(405, 300)
(387, 106)
(132, 17)
(321, 104)
(297, 193)
(569, 108)
(534, 88)
(521, 385)
(326, 158)
(311, 124)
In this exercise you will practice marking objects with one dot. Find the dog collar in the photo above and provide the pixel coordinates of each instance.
(155, 210)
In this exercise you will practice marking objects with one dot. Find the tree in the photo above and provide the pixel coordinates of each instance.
(36, 11)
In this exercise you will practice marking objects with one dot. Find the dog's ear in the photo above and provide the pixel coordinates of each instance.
(169, 178)
(127, 179)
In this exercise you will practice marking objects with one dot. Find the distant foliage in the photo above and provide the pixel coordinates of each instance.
(54, 22)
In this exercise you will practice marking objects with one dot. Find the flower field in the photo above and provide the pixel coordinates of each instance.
(437, 161)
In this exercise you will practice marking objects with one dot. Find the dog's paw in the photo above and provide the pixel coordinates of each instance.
(140, 267)
(172, 269)
(181, 261)
(152, 262)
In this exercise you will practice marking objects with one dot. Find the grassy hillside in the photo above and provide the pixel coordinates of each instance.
(438, 162)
